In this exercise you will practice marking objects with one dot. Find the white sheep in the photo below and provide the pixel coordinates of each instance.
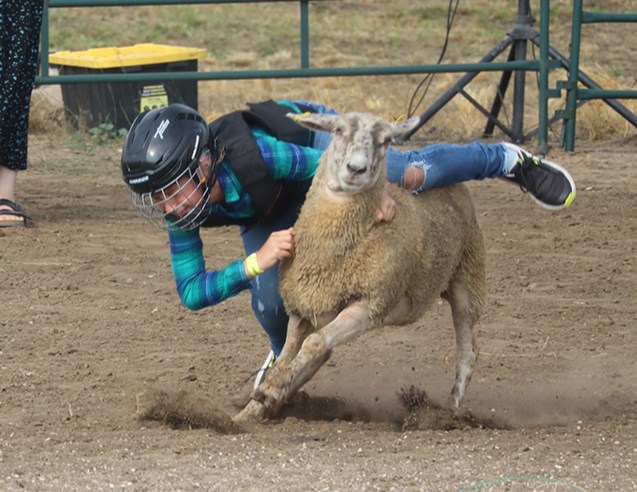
(350, 273)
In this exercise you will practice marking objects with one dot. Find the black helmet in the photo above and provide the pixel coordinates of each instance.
(161, 145)
(168, 166)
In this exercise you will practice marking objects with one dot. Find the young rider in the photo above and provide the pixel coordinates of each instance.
(252, 168)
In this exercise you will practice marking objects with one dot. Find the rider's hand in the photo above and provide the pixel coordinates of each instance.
(386, 208)
(279, 245)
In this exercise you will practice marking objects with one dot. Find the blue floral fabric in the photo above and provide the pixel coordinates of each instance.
(20, 22)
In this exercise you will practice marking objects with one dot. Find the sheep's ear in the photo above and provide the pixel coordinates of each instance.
(400, 128)
(315, 121)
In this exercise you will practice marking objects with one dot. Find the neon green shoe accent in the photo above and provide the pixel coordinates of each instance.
(301, 116)
(569, 200)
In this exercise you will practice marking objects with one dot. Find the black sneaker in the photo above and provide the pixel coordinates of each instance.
(549, 184)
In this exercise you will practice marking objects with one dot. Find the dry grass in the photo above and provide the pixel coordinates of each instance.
(459, 120)
(597, 121)
(47, 110)
(477, 26)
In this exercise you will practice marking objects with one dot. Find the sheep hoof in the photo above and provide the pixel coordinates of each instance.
(269, 398)
(253, 412)
(454, 402)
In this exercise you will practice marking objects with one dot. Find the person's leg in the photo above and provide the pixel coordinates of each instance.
(267, 304)
(8, 178)
(266, 299)
(20, 34)
(11, 213)
(549, 184)
(443, 164)
(318, 107)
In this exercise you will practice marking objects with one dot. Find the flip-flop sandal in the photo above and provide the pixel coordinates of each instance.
(14, 210)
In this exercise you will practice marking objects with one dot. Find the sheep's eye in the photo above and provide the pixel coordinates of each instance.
(386, 142)
(338, 131)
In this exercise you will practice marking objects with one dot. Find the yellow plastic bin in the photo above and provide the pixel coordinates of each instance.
(120, 102)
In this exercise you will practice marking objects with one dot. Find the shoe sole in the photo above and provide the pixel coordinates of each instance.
(13, 223)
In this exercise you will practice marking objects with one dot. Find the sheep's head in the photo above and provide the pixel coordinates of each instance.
(355, 159)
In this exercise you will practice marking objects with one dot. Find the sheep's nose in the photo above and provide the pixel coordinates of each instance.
(356, 169)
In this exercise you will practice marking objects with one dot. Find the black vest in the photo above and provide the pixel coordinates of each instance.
(231, 134)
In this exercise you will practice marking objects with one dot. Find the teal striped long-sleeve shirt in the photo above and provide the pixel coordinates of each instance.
(198, 288)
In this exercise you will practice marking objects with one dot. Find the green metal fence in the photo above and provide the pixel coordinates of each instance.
(304, 69)
(575, 75)
(549, 59)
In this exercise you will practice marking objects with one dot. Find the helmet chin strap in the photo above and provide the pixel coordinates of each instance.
(216, 155)
(211, 178)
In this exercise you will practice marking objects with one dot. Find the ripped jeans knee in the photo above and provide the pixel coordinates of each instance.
(414, 178)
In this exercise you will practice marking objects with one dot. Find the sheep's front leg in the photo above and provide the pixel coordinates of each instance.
(349, 324)
(298, 330)
(270, 396)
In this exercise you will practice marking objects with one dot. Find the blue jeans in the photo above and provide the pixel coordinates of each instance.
(267, 304)
(443, 164)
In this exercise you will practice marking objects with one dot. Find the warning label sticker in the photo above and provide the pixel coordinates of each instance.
(153, 97)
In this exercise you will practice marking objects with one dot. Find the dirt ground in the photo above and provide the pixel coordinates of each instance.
(91, 323)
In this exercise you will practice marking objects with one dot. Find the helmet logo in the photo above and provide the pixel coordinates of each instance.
(143, 179)
(194, 151)
(161, 129)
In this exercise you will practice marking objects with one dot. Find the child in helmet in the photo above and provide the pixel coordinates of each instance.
(252, 168)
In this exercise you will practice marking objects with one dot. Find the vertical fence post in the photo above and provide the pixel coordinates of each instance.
(44, 40)
(305, 34)
(519, 77)
(543, 109)
(573, 77)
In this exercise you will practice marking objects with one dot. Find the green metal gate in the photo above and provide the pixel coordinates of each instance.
(575, 94)
(549, 59)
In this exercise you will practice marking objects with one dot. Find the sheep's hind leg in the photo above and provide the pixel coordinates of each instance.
(466, 349)
(275, 390)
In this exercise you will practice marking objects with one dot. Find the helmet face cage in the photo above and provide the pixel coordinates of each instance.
(184, 203)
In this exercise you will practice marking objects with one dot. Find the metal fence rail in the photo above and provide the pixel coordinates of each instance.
(575, 75)
(548, 60)
(304, 69)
